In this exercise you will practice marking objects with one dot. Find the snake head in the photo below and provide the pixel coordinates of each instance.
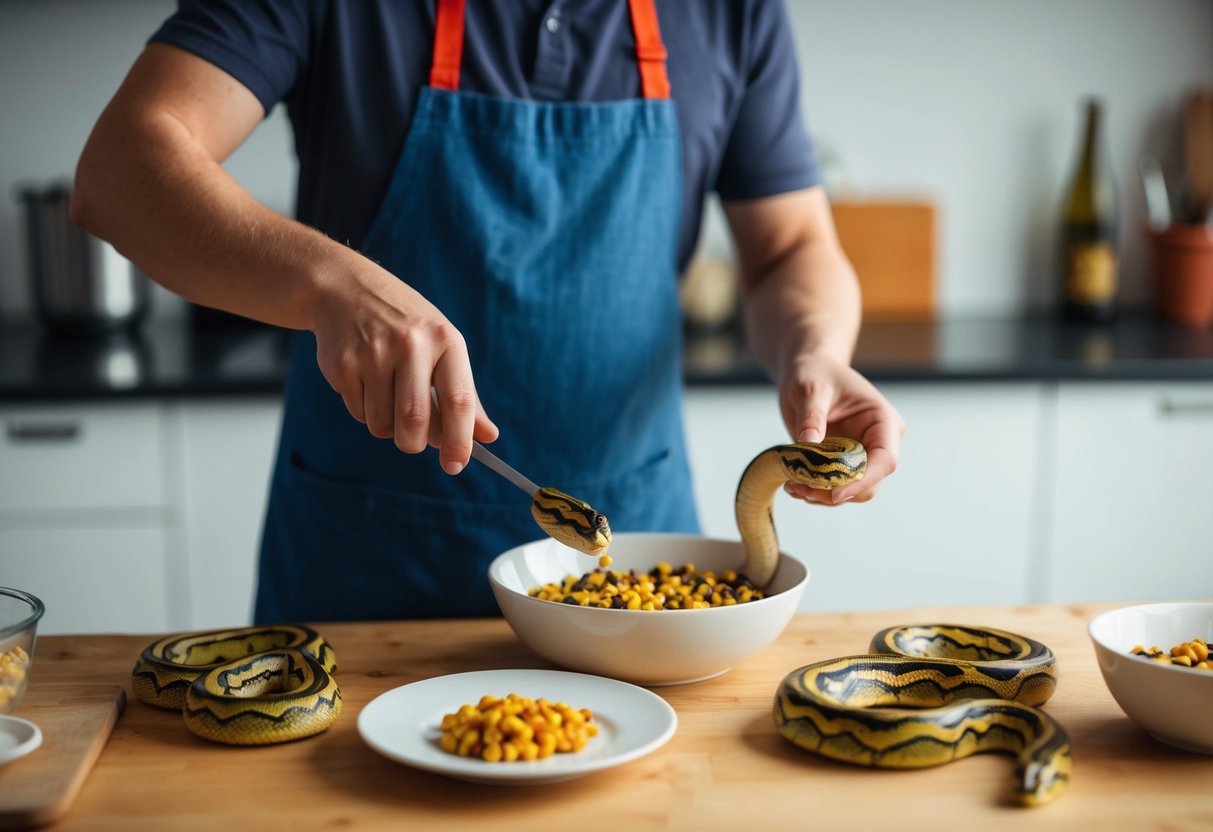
(573, 522)
(601, 529)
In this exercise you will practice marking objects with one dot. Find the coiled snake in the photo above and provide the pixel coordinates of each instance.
(247, 686)
(929, 694)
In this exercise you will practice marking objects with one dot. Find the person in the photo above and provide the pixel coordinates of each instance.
(495, 201)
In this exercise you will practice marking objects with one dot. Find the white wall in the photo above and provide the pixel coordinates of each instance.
(972, 103)
(60, 62)
(975, 104)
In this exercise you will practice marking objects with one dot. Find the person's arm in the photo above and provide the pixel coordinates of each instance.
(802, 315)
(150, 181)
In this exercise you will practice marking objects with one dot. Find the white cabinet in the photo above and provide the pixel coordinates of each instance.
(1132, 517)
(87, 515)
(953, 525)
(94, 579)
(136, 517)
(228, 450)
(72, 457)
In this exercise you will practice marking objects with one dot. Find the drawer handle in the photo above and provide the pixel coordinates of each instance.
(43, 431)
(1167, 407)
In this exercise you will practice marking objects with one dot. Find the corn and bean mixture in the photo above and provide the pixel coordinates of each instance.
(1194, 653)
(516, 728)
(14, 665)
(661, 588)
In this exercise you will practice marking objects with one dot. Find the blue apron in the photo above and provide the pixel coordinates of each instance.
(545, 232)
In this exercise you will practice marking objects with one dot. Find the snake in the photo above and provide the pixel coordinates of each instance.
(928, 694)
(245, 686)
(828, 464)
(573, 522)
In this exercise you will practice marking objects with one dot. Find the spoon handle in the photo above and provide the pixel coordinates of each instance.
(484, 456)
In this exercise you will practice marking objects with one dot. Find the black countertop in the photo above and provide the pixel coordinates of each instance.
(170, 359)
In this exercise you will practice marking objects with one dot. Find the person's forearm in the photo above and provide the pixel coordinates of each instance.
(173, 211)
(150, 181)
(802, 305)
(805, 302)
(152, 189)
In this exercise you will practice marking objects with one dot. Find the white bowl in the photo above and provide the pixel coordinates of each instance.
(655, 647)
(1172, 703)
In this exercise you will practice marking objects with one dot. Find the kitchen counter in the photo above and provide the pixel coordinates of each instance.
(161, 359)
(726, 767)
(167, 359)
(1138, 348)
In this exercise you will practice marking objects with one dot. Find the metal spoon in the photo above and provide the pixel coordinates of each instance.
(486, 457)
(573, 522)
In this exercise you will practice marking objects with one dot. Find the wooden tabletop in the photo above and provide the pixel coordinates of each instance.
(725, 767)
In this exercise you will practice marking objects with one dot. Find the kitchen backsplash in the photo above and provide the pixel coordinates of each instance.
(972, 107)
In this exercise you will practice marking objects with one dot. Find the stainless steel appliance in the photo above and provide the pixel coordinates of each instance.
(79, 283)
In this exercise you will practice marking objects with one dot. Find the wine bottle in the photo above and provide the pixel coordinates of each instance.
(1091, 259)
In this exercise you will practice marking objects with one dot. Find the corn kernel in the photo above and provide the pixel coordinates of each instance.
(661, 588)
(1194, 654)
(515, 728)
(468, 743)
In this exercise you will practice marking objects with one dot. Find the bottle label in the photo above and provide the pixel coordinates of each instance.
(1091, 273)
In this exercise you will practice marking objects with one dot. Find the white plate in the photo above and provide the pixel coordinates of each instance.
(403, 724)
(18, 737)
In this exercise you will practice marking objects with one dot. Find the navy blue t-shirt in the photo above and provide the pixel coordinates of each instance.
(349, 72)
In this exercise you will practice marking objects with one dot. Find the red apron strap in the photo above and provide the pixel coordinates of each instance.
(650, 51)
(448, 45)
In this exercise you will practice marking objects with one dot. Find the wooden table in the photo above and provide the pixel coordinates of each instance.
(726, 767)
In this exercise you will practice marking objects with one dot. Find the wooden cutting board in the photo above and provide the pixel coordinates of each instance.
(75, 720)
(891, 245)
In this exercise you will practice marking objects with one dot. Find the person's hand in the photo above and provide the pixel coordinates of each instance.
(820, 397)
(383, 346)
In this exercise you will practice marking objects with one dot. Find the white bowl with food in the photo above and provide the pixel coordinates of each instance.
(643, 646)
(1168, 700)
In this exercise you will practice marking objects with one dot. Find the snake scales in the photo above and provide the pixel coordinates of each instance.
(573, 522)
(247, 686)
(929, 694)
(926, 694)
(829, 464)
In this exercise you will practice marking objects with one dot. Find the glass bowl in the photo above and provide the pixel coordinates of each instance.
(19, 614)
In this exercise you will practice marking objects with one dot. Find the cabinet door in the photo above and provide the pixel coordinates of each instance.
(228, 452)
(72, 456)
(92, 580)
(951, 526)
(1133, 514)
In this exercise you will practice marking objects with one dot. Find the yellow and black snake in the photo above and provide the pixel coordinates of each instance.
(571, 521)
(828, 464)
(929, 694)
(246, 686)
